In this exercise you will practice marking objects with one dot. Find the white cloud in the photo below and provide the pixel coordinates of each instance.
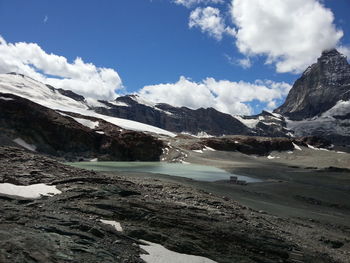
(191, 3)
(46, 18)
(84, 78)
(226, 96)
(210, 21)
(244, 62)
(291, 33)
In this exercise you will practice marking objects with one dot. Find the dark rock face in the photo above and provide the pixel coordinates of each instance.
(60, 135)
(320, 87)
(250, 145)
(175, 119)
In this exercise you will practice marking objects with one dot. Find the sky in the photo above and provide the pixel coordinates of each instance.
(238, 56)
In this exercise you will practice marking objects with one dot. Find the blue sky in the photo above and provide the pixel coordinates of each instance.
(146, 42)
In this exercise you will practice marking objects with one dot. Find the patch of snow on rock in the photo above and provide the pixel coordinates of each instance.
(8, 99)
(87, 123)
(115, 224)
(198, 151)
(159, 254)
(250, 123)
(296, 147)
(206, 148)
(118, 103)
(22, 143)
(29, 191)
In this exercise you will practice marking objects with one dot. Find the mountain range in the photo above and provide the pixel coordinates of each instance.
(60, 122)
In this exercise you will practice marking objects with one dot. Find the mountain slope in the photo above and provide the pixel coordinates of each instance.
(69, 135)
(175, 119)
(320, 88)
(319, 102)
(68, 101)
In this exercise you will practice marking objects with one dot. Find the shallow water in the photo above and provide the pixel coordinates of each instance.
(192, 171)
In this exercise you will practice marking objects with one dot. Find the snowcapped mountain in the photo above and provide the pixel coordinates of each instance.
(66, 101)
(319, 102)
(317, 105)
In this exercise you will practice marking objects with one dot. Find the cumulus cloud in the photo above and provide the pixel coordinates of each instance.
(223, 95)
(291, 33)
(84, 78)
(210, 21)
(190, 3)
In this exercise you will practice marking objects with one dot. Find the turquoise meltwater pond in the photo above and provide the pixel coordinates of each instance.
(192, 171)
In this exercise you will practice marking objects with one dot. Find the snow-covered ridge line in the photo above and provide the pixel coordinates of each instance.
(41, 94)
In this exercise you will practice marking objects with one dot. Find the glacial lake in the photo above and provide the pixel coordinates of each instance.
(192, 171)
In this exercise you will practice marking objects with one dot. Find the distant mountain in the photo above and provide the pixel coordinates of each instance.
(320, 88)
(319, 102)
(175, 119)
(317, 105)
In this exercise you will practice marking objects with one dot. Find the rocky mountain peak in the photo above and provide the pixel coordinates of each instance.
(320, 87)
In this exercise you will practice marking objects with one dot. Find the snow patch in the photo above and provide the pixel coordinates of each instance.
(206, 148)
(296, 147)
(118, 103)
(87, 123)
(250, 123)
(159, 254)
(21, 142)
(29, 191)
(100, 132)
(115, 224)
(7, 99)
(317, 149)
(198, 151)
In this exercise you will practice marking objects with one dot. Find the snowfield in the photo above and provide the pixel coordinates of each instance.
(39, 93)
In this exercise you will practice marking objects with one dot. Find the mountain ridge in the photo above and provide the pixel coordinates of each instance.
(317, 105)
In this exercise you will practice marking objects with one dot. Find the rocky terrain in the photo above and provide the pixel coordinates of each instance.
(66, 227)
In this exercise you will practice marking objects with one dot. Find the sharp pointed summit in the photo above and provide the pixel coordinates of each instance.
(320, 87)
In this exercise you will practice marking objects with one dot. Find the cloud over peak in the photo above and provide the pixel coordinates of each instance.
(291, 33)
(84, 78)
